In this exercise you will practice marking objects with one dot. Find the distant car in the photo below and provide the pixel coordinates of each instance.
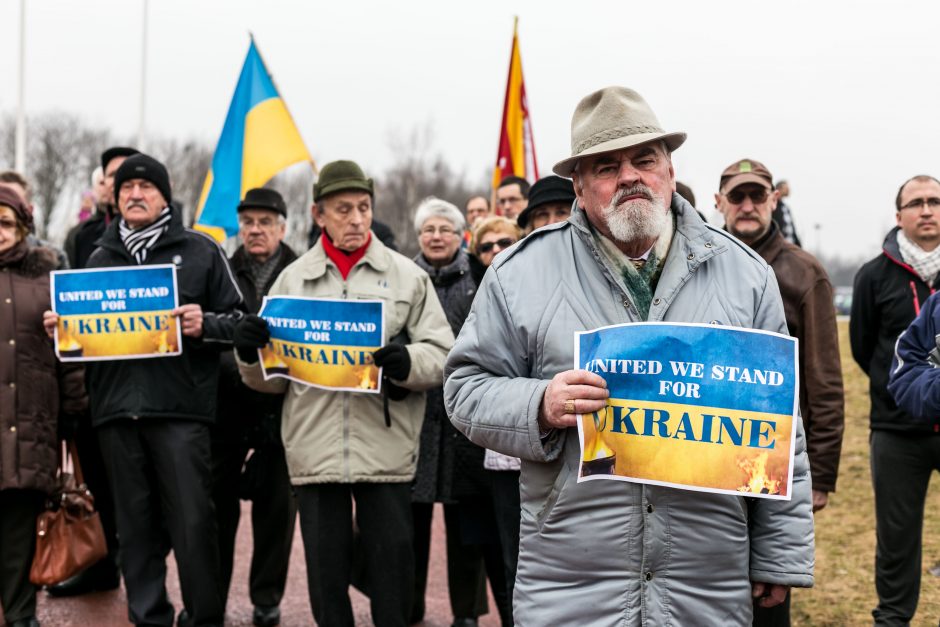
(842, 299)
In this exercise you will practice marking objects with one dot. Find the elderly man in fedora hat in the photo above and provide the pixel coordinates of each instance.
(612, 552)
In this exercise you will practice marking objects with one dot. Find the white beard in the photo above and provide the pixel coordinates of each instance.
(638, 220)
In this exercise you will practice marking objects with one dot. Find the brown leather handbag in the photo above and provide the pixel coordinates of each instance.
(69, 536)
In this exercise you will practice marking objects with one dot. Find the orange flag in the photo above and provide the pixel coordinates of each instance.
(516, 154)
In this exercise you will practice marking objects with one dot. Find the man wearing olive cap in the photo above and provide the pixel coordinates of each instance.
(344, 447)
(614, 552)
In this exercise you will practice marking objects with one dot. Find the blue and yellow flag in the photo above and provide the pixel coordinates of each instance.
(259, 140)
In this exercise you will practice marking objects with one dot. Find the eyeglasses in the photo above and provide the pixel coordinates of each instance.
(264, 223)
(757, 196)
(444, 231)
(504, 243)
(933, 203)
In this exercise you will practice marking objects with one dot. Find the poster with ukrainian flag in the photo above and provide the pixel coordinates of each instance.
(323, 342)
(116, 313)
(692, 406)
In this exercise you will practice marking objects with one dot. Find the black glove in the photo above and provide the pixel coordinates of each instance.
(394, 361)
(250, 334)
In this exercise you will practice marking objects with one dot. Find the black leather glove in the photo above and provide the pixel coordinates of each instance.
(394, 361)
(250, 334)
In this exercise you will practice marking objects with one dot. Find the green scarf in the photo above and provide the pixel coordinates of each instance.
(639, 277)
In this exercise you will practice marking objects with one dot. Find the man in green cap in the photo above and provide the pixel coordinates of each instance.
(344, 446)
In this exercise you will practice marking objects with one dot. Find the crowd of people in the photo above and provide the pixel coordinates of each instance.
(479, 401)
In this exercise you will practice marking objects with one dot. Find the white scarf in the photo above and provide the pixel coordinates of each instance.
(925, 264)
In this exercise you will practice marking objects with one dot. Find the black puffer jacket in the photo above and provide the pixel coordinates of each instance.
(888, 296)
(449, 465)
(185, 386)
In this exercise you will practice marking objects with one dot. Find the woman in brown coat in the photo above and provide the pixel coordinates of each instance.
(34, 388)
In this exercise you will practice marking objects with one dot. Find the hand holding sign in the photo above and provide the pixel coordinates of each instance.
(49, 321)
(251, 334)
(191, 318)
(582, 391)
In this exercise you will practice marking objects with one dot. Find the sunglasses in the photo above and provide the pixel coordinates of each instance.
(504, 243)
(737, 196)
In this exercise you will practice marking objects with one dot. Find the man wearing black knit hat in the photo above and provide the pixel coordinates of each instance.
(80, 243)
(152, 416)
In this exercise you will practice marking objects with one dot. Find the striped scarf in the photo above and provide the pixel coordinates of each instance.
(138, 242)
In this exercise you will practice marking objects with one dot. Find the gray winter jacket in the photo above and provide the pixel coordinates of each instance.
(612, 552)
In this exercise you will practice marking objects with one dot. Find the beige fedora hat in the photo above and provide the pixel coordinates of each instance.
(610, 119)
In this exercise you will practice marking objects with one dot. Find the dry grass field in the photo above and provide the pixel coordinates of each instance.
(845, 530)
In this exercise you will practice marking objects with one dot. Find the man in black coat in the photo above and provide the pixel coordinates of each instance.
(889, 292)
(249, 420)
(80, 243)
(152, 416)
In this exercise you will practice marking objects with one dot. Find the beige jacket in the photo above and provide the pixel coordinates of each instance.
(341, 437)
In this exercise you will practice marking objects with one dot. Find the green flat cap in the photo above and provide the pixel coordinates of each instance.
(340, 176)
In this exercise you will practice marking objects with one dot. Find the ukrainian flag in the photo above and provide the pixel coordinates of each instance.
(259, 140)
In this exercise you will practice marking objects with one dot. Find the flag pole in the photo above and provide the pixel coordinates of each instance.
(143, 78)
(20, 150)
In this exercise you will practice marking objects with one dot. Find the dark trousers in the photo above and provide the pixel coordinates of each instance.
(776, 616)
(93, 471)
(273, 513)
(506, 507)
(18, 512)
(383, 516)
(901, 466)
(160, 476)
(466, 577)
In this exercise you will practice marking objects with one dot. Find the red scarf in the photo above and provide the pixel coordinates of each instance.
(344, 260)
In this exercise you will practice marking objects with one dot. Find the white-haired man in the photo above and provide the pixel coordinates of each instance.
(611, 552)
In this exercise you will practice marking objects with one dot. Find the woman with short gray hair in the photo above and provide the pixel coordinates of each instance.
(450, 467)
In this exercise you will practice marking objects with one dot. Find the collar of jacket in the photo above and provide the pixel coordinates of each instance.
(239, 259)
(314, 262)
(771, 244)
(445, 275)
(111, 238)
(698, 241)
(892, 251)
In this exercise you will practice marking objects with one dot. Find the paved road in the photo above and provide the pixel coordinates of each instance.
(108, 609)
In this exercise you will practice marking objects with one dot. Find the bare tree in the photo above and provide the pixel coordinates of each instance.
(417, 172)
(188, 162)
(295, 185)
(57, 159)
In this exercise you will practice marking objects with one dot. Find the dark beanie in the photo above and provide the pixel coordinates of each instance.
(141, 166)
(261, 198)
(9, 198)
(116, 151)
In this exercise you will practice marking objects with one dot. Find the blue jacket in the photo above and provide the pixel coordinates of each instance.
(915, 370)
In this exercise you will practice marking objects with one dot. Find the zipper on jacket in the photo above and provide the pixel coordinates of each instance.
(346, 472)
(916, 299)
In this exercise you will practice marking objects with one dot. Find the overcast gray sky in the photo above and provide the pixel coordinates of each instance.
(841, 98)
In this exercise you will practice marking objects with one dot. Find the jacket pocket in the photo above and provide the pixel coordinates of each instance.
(561, 479)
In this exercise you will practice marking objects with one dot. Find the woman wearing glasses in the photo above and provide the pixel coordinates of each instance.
(450, 467)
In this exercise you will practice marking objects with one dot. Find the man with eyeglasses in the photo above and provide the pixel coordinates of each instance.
(249, 420)
(889, 292)
(747, 200)
(512, 196)
(616, 552)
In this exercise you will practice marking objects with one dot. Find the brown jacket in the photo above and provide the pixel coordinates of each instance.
(32, 380)
(811, 319)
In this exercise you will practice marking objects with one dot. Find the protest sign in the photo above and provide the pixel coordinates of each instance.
(692, 406)
(322, 342)
(116, 313)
